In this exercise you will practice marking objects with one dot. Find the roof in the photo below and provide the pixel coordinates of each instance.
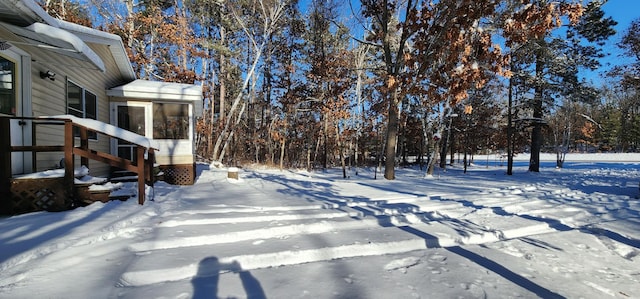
(57, 40)
(152, 90)
(25, 13)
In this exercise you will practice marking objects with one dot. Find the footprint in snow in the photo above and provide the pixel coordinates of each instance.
(402, 264)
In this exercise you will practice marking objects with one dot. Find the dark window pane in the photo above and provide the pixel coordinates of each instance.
(125, 152)
(7, 87)
(91, 109)
(170, 121)
(132, 119)
(74, 99)
(83, 104)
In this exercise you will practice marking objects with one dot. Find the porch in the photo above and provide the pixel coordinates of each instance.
(21, 194)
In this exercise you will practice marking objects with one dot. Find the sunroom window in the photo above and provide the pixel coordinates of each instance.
(170, 121)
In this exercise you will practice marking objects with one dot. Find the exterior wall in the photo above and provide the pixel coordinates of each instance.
(49, 97)
(173, 160)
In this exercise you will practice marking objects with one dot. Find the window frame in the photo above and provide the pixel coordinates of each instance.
(82, 112)
(13, 94)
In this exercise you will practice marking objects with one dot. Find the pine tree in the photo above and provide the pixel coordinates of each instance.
(527, 34)
(580, 50)
(630, 43)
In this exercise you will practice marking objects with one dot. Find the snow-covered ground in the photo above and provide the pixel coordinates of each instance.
(572, 232)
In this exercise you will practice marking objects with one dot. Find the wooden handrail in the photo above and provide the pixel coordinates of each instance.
(37, 148)
(61, 121)
(143, 167)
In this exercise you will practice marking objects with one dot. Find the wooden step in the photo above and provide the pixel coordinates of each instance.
(123, 194)
(90, 190)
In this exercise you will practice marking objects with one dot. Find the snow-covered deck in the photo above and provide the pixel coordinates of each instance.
(23, 195)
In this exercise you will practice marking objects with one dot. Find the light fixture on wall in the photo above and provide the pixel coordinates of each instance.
(48, 75)
(4, 45)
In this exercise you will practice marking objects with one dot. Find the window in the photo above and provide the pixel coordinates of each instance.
(7, 86)
(170, 121)
(83, 104)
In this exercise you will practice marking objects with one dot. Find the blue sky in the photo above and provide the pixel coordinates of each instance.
(623, 11)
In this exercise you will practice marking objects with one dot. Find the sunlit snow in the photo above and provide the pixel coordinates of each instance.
(571, 232)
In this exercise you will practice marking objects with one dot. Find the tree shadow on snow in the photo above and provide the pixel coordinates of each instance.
(432, 242)
(311, 191)
(495, 267)
(31, 229)
(205, 283)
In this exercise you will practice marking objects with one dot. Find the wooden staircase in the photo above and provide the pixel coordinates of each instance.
(91, 189)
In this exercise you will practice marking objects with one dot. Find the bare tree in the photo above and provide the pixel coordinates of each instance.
(269, 12)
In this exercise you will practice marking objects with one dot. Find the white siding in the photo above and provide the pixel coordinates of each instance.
(49, 97)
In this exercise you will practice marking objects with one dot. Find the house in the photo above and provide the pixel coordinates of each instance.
(50, 67)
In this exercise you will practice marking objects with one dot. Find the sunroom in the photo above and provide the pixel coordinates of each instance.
(164, 112)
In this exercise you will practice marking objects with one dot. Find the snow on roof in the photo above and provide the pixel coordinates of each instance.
(58, 40)
(109, 129)
(145, 89)
(87, 34)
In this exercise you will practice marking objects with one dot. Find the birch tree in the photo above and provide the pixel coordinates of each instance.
(268, 12)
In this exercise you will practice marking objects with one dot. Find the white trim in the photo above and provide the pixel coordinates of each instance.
(156, 90)
(148, 124)
(22, 86)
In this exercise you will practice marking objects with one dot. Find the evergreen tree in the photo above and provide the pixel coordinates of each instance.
(631, 45)
(528, 34)
(581, 49)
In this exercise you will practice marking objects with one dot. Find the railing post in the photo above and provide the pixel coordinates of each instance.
(68, 158)
(141, 173)
(5, 169)
(84, 144)
(34, 158)
(151, 158)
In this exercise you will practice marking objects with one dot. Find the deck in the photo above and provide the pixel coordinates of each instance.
(20, 195)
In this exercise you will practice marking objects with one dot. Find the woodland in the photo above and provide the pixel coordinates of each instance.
(327, 83)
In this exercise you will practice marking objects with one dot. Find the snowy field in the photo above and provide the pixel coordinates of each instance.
(561, 233)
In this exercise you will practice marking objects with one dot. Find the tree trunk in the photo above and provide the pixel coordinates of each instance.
(342, 162)
(223, 135)
(222, 78)
(315, 154)
(212, 121)
(282, 146)
(432, 161)
(227, 140)
(452, 146)
(443, 150)
(536, 134)
(308, 159)
(560, 159)
(392, 137)
(271, 16)
(510, 129)
(325, 155)
(424, 146)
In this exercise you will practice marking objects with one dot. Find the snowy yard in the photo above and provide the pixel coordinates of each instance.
(573, 232)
